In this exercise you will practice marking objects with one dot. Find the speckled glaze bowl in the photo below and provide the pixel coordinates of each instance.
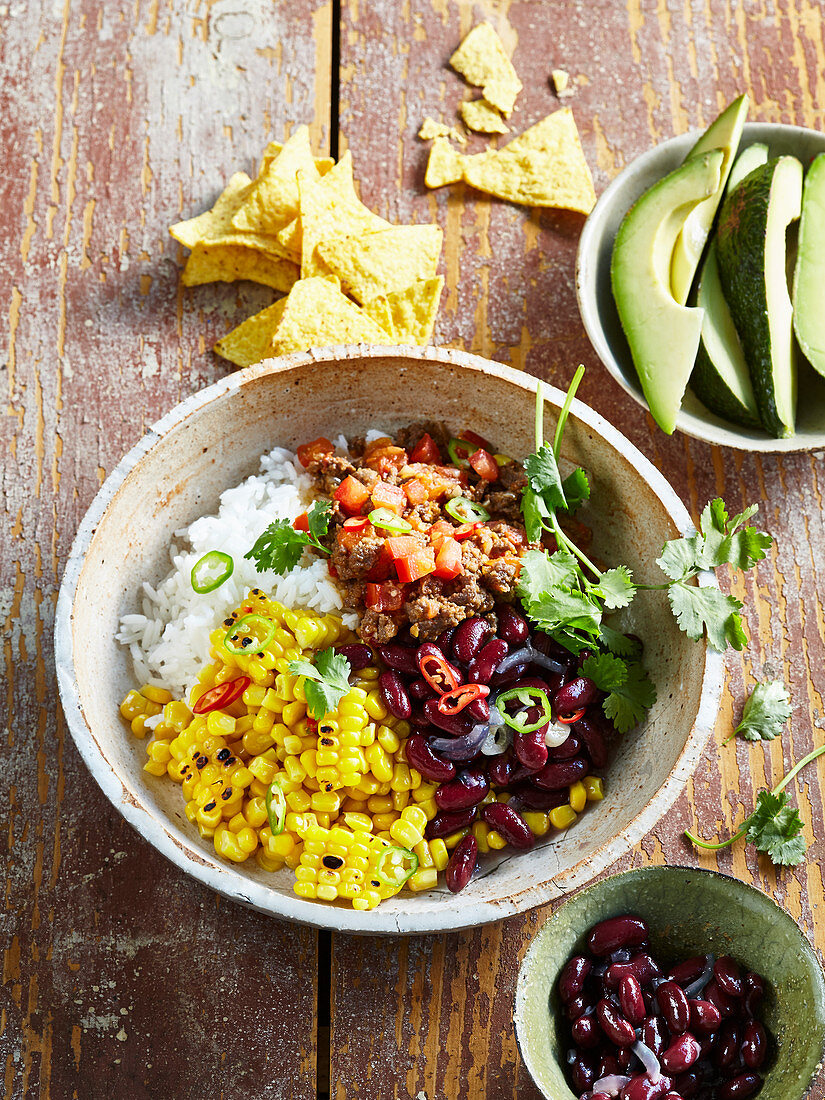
(690, 912)
(212, 441)
(598, 309)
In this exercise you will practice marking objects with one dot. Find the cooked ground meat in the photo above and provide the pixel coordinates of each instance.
(355, 562)
(377, 628)
(408, 437)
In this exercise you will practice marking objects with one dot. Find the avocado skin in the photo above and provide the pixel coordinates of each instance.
(706, 385)
(741, 237)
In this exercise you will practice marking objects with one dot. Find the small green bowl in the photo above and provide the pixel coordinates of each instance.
(690, 912)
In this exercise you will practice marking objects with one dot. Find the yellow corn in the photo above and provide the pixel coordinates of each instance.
(578, 796)
(594, 786)
(562, 817)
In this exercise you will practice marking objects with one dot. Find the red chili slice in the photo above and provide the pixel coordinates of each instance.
(221, 695)
(432, 667)
(465, 530)
(567, 720)
(453, 702)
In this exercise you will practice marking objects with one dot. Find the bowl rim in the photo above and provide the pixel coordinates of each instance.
(526, 963)
(723, 434)
(227, 879)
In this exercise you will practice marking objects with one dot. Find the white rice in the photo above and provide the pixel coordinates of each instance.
(169, 639)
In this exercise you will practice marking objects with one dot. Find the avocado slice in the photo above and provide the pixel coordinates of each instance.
(721, 379)
(753, 157)
(663, 334)
(722, 134)
(809, 275)
(752, 257)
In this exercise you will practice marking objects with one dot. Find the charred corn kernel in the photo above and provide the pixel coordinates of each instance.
(562, 817)
(577, 796)
(405, 834)
(133, 705)
(387, 739)
(424, 879)
(480, 831)
(379, 804)
(495, 841)
(538, 823)
(219, 723)
(401, 779)
(594, 786)
(374, 706)
(156, 694)
(425, 791)
(455, 838)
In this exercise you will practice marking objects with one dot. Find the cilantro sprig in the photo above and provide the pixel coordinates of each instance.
(765, 713)
(280, 546)
(326, 682)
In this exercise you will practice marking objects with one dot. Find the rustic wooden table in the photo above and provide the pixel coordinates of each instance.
(122, 978)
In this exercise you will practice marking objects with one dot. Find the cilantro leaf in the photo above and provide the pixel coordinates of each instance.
(535, 512)
(606, 671)
(775, 827)
(543, 475)
(280, 546)
(560, 608)
(698, 610)
(766, 712)
(720, 541)
(576, 489)
(618, 643)
(318, 518)
(616, 587)
(678, 558)
(326, 682)
(540, 571)
(627, 704)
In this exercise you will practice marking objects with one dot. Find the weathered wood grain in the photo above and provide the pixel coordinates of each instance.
(121, 978)
(642, 72)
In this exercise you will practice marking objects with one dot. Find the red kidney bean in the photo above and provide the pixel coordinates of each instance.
(456, 724)
(608, 1065)
(468, 638)
(624, 1056)
(445, 639)
(485, 662)
(556, 775)
(394, 695)
(582, 1073)
(530, 749)
(532, 798)
(631, 1000)
(645, 967)
(462, 864)
(754, 992)
(608, 935)
(502, 768)
(708, 1044)
(511, 676)
(468, 789)
(721, 1000)
(424, 760)
(600, 1095)
(746, 1084)
(614, 1025)
(672, 1096)
(642, 1088)
(420, 690)
(705, 1018)
(512, 627)
(688, 971)
(444, 824)
(574, 695)
(509, 823)
(729, 977)
(400, 658)
(681, 1054)
(586, 1033)
(673, 1005)
(566, 750)
(591, 735)
(688, 1084)
(727, 1052)
(754, 1044)
(359, 656)
(479, 709)
(655, 1035)
(577, 1007)
(572, 977)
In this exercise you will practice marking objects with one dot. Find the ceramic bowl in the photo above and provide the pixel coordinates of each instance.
(212, 441)
(601, 320)
(690, 912)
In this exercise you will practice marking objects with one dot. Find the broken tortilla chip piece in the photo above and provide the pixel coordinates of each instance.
(272, 200)
(251, 341)
(323, 164)
(317, 314)
(371, 264)
(431, 129)
(408, 314)
(444, 165)
(214, 227)
(226, 263)
(482, 61)
(481, 116)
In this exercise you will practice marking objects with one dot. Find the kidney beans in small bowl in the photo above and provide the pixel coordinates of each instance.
(585, 999)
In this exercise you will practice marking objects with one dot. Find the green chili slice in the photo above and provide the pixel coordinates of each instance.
(392, 870)
(460, 450)
(250, 634)
(465, 510)
(276, 807)
(210, 571)
(389, 521)
(528, 697)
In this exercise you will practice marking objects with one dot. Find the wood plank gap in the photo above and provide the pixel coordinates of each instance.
(335, 80)
(324, 1009)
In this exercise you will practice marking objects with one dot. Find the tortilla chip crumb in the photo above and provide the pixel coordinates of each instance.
(444, 165)
(481, 116)
(561, 84)
(482, 61)
(431, 129)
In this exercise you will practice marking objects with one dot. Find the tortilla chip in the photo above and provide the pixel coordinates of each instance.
(431, 129)
(323, 164)
(214, 226)
(318, 314)
(481, 116)
(225, 263)
(481, 60)
(272, 200)
(444, 165)
(409, 314)
(544, 166)
(251, 341)
(376, 263)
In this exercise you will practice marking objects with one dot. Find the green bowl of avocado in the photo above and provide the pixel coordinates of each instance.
(664, 264)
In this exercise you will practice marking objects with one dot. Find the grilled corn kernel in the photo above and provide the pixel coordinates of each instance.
(594, 786)
(562, 817)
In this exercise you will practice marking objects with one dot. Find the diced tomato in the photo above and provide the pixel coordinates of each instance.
(417, 565)
(425, 450)
(472, 437)
(333, 572)
(309, 452)
(384, 597)
(401, 545)
(301, 523)
(484, 465)
(448, 562)
(382, 566)
(416, 491)
(465, 530)
(382, 455)
(355, 523)
(389, 496)
(439, 531)
(352, 495)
